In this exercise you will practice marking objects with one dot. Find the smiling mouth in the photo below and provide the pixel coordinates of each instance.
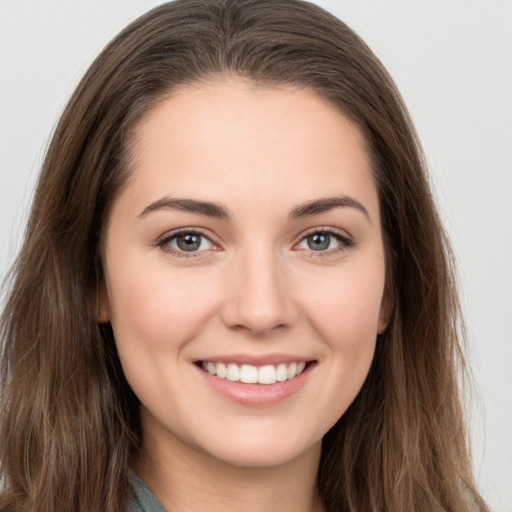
(249, 374)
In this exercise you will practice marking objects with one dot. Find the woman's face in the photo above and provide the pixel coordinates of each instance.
(245, 271)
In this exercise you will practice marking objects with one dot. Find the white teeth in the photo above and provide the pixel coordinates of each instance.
(233, 372)
(221, 370)
(292, 370)
(267, 374)
(249, 374)
(281, 373)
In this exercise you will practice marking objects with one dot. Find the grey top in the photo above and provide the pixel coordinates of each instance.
(143, 499)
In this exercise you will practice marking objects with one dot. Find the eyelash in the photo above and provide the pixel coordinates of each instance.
(164, 242)
(345, 242)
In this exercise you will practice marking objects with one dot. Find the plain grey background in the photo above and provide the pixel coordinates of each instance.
(452, 60)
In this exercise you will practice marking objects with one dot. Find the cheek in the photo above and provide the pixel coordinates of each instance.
(344, 306)
(155, 312)
(158, 306)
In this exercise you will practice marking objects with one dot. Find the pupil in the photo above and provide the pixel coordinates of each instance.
(318, 241)
(189, 242)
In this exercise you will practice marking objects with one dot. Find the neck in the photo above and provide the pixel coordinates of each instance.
(184, 479)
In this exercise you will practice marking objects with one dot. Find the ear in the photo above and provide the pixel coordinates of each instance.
(103, 304)
(387, 306)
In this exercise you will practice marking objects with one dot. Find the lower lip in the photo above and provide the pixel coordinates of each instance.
(257, 394)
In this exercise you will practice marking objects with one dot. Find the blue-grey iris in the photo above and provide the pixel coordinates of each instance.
(319, 241)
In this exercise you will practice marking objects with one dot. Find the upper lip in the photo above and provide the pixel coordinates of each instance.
(256, 359)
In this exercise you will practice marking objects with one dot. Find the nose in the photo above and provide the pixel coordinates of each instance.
(259, 298)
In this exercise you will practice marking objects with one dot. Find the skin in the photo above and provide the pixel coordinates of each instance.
(254, 287)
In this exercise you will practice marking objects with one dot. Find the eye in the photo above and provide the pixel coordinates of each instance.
(324, 241)
(186, 242)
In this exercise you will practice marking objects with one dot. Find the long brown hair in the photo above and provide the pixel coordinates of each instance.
(69, 421)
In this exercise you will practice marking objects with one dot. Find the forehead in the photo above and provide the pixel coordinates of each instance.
(228, 136)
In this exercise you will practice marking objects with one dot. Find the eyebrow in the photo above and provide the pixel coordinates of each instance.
(319, 206)
(206, 208)
(219, 211)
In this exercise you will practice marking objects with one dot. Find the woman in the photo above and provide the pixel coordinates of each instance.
(234, 289)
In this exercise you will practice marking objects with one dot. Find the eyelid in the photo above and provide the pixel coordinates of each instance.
(346, 241)
(164, 240)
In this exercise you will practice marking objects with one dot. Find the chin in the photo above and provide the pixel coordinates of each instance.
(254, 457)
(263, 449)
